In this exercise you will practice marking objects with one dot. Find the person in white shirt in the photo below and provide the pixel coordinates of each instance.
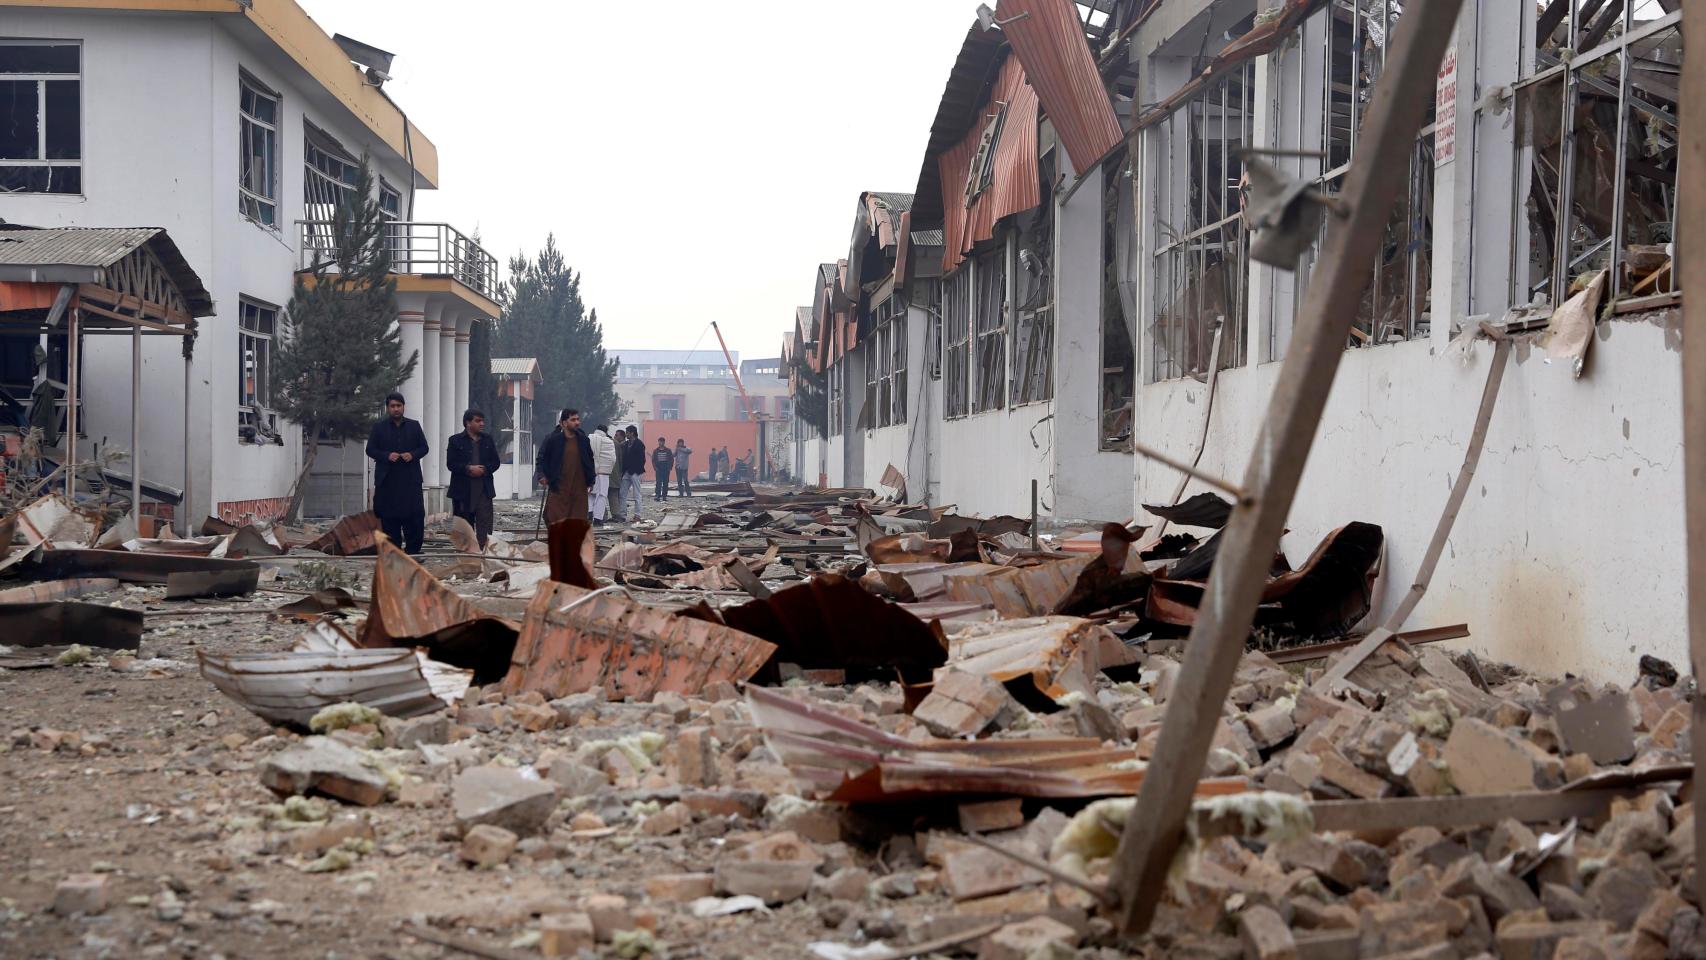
(603, 459)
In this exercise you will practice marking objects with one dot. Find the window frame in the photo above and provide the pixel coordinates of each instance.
(255, 410)
(247, 84)
(680, 406)
(991, 300)
(41, 79)
(956, 343)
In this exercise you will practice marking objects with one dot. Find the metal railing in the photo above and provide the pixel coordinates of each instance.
(426, 249)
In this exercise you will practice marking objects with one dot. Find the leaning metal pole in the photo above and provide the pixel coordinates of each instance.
(1690, 266)
(1153, 831)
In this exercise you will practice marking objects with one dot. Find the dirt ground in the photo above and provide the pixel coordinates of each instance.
(162, 797)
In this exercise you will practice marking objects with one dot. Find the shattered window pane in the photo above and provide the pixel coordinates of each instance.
(990, 274)
(41, 124)
(1033, 327)
(257, 182)
(1201, 266)
(256, 327)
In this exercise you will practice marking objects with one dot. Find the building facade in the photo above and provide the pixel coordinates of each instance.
(237, 126)
(1073, 312)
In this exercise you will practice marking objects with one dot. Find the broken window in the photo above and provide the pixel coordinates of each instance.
(257, 324)
(982, 172)
(41, 125)
(391, 215)
(929, 294)
(1598, 131)
(956, 322)
(873, 351)
(257, 175)
(888, 343)
(837, 397)
(1201, 263)
(1118, 359)
(1033, 290)
(329, 172)
(1327, 79)
(989, 275)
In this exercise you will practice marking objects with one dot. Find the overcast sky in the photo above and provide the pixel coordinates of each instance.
(695, 161)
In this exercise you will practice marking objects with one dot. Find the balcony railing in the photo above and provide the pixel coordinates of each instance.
(426, 249)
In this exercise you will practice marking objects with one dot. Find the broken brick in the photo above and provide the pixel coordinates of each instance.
(962, 704)
(1484, 759)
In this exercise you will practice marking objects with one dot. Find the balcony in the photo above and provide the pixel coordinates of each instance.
(432, 251)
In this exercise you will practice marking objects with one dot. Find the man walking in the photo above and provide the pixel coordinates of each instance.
(662, 463)
(472, 458)
(633, 468)
(683, 463)
(396, 445)
(565, 470)
(603, 458)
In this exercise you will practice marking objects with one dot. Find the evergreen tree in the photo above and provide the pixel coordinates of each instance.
(544, 318)
(341, 351)
(811, 393)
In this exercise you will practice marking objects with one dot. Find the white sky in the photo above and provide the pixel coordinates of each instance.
(696, 161)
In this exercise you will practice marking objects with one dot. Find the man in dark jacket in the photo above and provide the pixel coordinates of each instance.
(663, 461)
(396, 445)
(472, 458)
(565, 469)
(633, 468)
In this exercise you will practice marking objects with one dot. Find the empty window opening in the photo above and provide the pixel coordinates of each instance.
(41, 125)
(1599, 149)
(257, 325)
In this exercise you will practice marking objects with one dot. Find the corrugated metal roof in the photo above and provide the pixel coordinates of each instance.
(514, 366)
(1048, 39)
(927, 238)
(1013, 187)
(82, 255)
(967, 89)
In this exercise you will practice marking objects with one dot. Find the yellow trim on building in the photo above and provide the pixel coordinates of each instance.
(419, 283)
(289, 27)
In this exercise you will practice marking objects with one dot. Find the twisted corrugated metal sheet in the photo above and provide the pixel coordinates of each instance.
(1014, 186)
(1048, 39)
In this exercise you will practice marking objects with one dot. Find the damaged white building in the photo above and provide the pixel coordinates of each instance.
(1072, 274)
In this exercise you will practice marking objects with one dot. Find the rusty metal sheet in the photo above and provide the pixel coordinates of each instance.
(846, 760)
(412, 608)
(1014, 187)
(1203, 510)
(573, 640)
(149, 568)
(1048, 38)
(290, 687)
(64, 622)
(830, 622)
(192, 584)
(1047, 656)
(1019, 591)
(58, 590)
(314, 605)
(351, 536)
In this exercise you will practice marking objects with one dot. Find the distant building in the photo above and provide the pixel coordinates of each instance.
(697, 389)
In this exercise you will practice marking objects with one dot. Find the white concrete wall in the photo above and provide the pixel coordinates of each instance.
(160, 148)
(1567, 554)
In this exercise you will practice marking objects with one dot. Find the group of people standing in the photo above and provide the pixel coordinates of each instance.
(578, 470)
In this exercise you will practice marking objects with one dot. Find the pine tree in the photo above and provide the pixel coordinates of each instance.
(544, 318)
(341, 352)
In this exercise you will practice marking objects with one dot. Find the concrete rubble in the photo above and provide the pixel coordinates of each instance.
(966, 812)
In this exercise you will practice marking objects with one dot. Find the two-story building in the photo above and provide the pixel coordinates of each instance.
(236, 125)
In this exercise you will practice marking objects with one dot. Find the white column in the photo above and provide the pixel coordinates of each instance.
(464, 333)
(427, 411)
(521, 466)
(450, 415)
(409, 321)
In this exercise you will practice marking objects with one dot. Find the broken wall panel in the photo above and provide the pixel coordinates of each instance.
(833, 623)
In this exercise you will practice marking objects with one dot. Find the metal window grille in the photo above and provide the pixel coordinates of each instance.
(837, 397)
(956, 322)
(329, 172)
(1201, 261)
(990, 316)
(41, 122)
(1597, 110)
(897, 365)
(257, 175)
